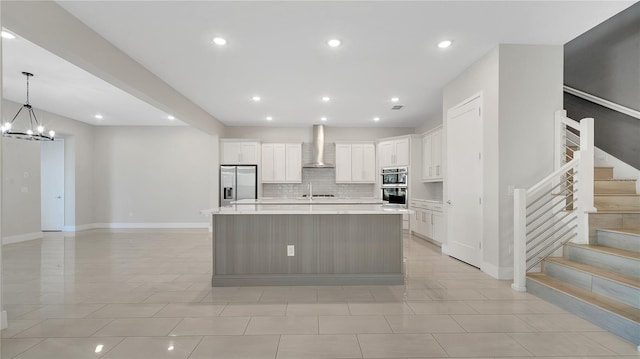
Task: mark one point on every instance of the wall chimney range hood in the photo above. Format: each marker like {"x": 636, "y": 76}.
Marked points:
{"x": 318, "y": 149}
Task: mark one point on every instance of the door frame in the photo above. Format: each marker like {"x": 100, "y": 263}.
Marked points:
{"x": 451, "y": 112}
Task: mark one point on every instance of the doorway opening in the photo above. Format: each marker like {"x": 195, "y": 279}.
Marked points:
{"x": 52, "y": 185}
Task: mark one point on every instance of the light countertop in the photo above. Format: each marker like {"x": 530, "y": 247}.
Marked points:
{"x": 306, "y": 209}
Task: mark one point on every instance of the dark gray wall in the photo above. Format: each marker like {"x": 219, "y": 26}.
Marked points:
{"x": 605, "y": 61}
{"x": 615, "y": 133}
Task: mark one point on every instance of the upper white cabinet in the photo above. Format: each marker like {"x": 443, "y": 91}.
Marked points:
{"x": 394, "y": 152}
{"x": 281, "y": 162}
{"x": 238, "y": 152}
{"x": 355, "y": 162}
{"x": 432, "y": 156}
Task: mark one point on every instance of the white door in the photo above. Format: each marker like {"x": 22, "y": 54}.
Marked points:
{"x": 427, "y": 170}
{"x": 386, "y": 153}
{"x": 293, "y": 163}
{"x": 279, "y": 162}
{"x": 369, "y": 163}
{"x": 267, "y": 163}
{"x": 52, "y": 185}
{"x": 436, "y": 154}
{"x": 464, "y": 182}
{"x": 343, "y": 162}
{"x": 401, "y": 157}
{"x": 248, "y": 153}
{"x": 357, "y": 166}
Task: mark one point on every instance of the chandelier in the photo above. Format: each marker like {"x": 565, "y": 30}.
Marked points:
{"x": 33, "y": 131}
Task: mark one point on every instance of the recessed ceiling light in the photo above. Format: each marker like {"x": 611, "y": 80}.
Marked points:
{"x": 256, "y": 98}
{"x": 334, "y": 42}
{"x": 219, "y": 41}
{"x": 8, "y": 35}
{"x": 395, "y": 99}
{"x": 376, "y": 119}
{"x": 98, "y": 116}
{"x": 269, "y": 118}
{"x": 323, "y": 118}
{"x": 444, "y": 44}
{"x": 326, "y": 98}
{"x": 171, "y": 118}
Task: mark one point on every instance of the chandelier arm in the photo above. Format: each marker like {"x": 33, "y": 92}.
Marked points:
{"x": 14, "y": 117}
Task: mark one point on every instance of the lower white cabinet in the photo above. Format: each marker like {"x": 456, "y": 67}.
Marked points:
{"x": 427, "y": 220}
{"x": 281, "y": 163}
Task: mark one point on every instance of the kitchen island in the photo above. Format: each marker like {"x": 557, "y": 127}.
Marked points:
{"x": 307, "y": 244}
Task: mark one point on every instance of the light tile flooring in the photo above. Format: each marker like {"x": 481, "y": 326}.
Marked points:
{"x": 146, "y": 294}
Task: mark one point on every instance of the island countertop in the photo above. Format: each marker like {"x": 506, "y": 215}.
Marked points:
{"x": 242, "y": 209}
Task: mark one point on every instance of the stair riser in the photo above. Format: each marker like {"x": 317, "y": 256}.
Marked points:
{"x": 622, "y": 265}
{"x": 614, "y": 290}
{"x": 611, "y": 220}
{"x": 607, "y": 187}
{"x": 620, "y": 326}
{"x": 621, "y": 202}
{"x": 603, "y": 173}
{"x": 629, "y": 242}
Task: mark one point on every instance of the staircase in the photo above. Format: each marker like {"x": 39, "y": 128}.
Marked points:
{"x": 600, "y": 281}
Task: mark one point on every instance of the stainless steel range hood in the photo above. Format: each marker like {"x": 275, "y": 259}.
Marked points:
{"x": 318, "y": 149}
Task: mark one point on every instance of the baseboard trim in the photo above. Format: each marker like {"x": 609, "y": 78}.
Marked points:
{"x": 152, "y": 225}
{"x": 4, "y": 323}
{"x": 496, "y": 271}
{"x": 21, "y": 237}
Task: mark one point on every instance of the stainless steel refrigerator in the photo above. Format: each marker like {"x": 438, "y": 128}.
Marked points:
{"x": 238, "y": 182}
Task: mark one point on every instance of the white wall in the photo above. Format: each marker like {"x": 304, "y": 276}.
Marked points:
{"x": 429, "y": 124}
{"x": 20, "y": 172}
{"x": 482, "y": 77}
{"x": 521, "y": 87}
{"x": 531, "y": 80}
{"x": 153, "y": 175}
{"x": 78, "y": 166}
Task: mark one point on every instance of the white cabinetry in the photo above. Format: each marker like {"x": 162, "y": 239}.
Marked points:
{"x": 355, "y": 163}
{"x": 432, "y": 156}
{"x": 394, "y": 152}
{"x": 281, "y": 163}
{"x": 238, "y": 152}
{"x": 427, "y": 220}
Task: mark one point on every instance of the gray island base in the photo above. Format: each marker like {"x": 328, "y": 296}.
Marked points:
{"x": 254, "y": 248}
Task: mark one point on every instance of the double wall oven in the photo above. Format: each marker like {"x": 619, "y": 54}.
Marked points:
{"x": 394, "y": 185}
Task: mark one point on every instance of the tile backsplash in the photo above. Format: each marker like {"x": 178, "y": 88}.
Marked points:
{"x": 323, "y": 180}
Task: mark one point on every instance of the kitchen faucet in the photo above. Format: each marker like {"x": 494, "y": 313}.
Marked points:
{"x": 310, "y": 191}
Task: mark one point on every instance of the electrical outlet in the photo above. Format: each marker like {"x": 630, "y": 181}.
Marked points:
{"x": 291, "y": 250}
{"x": 25, "y": 189}
{"x": 131, "y": 214}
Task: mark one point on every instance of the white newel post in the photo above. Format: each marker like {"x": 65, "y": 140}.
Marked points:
{"x": 585, "y": 180}
{"x": 519, "y": 240}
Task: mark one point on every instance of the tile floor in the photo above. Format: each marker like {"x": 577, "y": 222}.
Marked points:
{"x": 146, "y": 294}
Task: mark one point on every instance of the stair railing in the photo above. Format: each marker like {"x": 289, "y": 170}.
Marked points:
{"x": 555, "y": 210}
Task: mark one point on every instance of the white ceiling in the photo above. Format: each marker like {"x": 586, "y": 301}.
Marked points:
{"x": 64, "y": 89}
{"x": 278, "y": 50}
